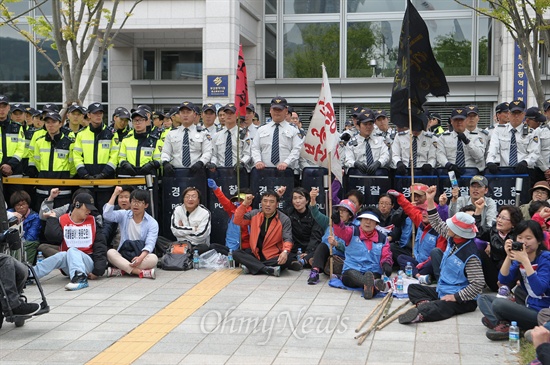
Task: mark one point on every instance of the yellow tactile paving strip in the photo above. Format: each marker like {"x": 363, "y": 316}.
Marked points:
{"x": 136, "y": 343}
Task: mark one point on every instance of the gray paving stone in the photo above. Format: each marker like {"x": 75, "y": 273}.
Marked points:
{"x": 154, "y": 358}
{"x": 201, "y": 359}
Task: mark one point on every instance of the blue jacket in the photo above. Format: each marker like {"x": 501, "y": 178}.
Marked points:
{"x": 424, "y": 243}
{"x": 32, "y": 226}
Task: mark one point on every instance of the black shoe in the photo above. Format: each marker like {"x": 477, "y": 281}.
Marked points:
{"x": 79, "y": 281}
{"x": 411, "y": 316}
{"x": 368, "y": 288}
{"x": 26, "y": 309}
{"x": 295, "y": 266}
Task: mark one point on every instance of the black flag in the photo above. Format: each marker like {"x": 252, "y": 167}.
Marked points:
{"x": 417, "y": 73}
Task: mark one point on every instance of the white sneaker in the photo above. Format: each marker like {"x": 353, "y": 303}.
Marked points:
{"x": 424, "y": 279}
{"x": 148, "y": 273}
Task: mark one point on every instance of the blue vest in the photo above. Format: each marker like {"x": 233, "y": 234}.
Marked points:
{"x": 338, "y": 239}
{"x": 406, "y": 233}
{"x": 452, "y": 278}
{"x": 233, "y": 235}
{"x": 423, "y": 247}
{"x": 359, "y": 258}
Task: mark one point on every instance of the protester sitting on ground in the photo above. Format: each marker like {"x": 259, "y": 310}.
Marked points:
{"x": 478, "y": 189}
{"x": 111, "y": 230}
{"x": 20, "y": 202}
{"x": 461, "y": 278}
{"x": 191, "y": 222}
{"x": 385, "y": 213}
{"x": 425, "y": 241}
{"x": 306, "y": 232}
{"x": 236, "y": 237}
{"x": 494, "y": 254}
{"x": 83, "y": 248}
{"x": 539, "y": 192}
{"x": 270, "y": 236}
{"x": 138, "y": 236}
{"x": 541, "y": 341}
{"x": 13, "y": 276}
{"x": 345, "y": 213}
{"x": 528, "y": 261}
{"x": 356, "y": 196}
{"x": 368, "y": 254}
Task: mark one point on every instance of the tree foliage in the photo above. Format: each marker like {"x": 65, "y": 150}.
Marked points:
{"x": 80, "y": 31}
{"x": 524, "y": 20}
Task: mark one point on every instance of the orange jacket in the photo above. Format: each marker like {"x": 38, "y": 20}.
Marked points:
{"x": 277, "y": 238}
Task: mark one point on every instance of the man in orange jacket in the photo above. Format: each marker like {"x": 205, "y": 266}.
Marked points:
{"x": 270, "y": 236}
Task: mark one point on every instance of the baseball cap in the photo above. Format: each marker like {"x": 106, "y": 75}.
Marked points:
{"x": 95, "y": 107}
{"x": 173, "y": 111}
{"x": 472, "y": 109}
{"x": 52, "y": 115}
{"x": 209, "y": 106}
{"x": 481, "y": 180}
{"x": 50, "y": 108}
{"x": 139, "y": 112}
{"x": 546, "y": 105}
{"x": 19, "y": 107}
{"x": 458, "y": 113}
{"x": 365, "y": 116}
{"x": 535, "y": 113}
{"x": 231, "y": 107}
{"x": 279, "y": 102}
{"x": 146, "y": 107}
{"x": 122, "y": 112}
{"x": 4, "y": 99}
{"x": 502, "y": 107}
{"x": 380, "y": 113}
{"x": 251, "y": 107}
{"x": 75, "y": 106}
{"x": 435, "y": 116}
{"x": 187, "y": 105}
{"x": 87, "y": 200}
{"x": 517, "y": 105}
{"x": 356, "y": 110}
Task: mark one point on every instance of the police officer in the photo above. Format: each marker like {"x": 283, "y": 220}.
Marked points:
{"x": 120, "y": 126}
{"x": 296, "y": 122}
{"x": 225, "y": 141}
{"x": 18, "y": 114}
{"x": 189, "y": 146}
{"x": 434, "y": 124}
{"x": 75, "y": 116}
{"x": 355, "y": 111}
{"x": 473, "y": 132}
{"x": 221, "y": 117}
{"x": 12, "y": 141}
{"x": 246, "y": 122}
{"x": 53, "y": 158}
{"x": 513, "y": 144}
{"x": 502, "y": 116}
{"x": 536, "y": 120}
{"x": 139, "y": 152}
{"x": 422, "y": 147}
{"x": 366, "y": 152}
{"x": 455, "y": 149}
{"x": 382, "y": 127}
{"x": 32, "y": 116}
{"x": 277, "y": 144}
{"x": 209, "y": 119}
{"x": 546, "y": 109}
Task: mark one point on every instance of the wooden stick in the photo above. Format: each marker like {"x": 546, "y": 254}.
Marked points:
{"x": 369, "y": 315}
{"x": 397, "y": 309}
{"x": 388, "y": 306}
{"x": 364, "y": 335}
{"x": 393, "y": 318}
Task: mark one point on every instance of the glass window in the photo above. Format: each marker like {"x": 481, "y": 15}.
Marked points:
{"x": 105, "y": 66}
{"x": 44, "y": 69}
{"x": 16, "y": 92}
{"x": 49, "y": 93}
{"x": 148, "y": 65}
{"x": 270, "y": 51}
{"x": 311, "y": 6}
{"x": 105, "y": 93}
{"x": 485, "y": 45}
{"x": 271, "y": 7}
{"x": 17, "y": 8}
{"x": 429, "y": 5}
{"x": 372, "y": 48}
{"x": 45, "y": 9}
{"x": 377, "y": 6}
{"x": 452, "y": 45}
{"x": 14, "y": 65}
{"x": 307, "y": 45}
{"x": 181, "y": 65}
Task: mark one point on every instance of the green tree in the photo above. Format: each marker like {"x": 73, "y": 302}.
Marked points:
{"x": 80, "y": 32}
{"x": 524, "y": 20}
{"x": 453, "y": 55}
{"x": 361, "y": 41}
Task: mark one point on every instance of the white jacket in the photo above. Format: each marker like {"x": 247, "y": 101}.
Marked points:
{"x": 194, "y": 228}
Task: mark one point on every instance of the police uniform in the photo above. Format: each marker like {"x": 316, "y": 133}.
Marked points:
{"x": 120, "y": 134}
{"x": 425, "y": 151}
{"x": 527, "y": 142}
{"x": 389, "y": 136}
{"x": 139, "y": 149}
{"x": 200, "y": 146}
{"x": 483, "y": 136}
{"x": 96, "y": 152}
{"x": 12, "y": 145}
{"x": 219, "y": 145}
{"x": 543, "y": 135}
{"x": 290, "y": 144}
{"x": 355, "y": 150}
{"x": 474, "y": 152}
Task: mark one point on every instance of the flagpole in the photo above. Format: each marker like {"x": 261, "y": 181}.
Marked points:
{"x": 239, "y": 174}
{"x": 329, "y": 209}
{"x": 411, "y": 165}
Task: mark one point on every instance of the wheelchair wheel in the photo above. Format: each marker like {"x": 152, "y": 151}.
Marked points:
{"x": 19, "y": 323}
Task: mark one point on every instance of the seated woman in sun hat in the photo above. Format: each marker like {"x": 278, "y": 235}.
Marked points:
{"x": 368, "y": 254}
{"x": 539, "y": 192}
{"x": 461, "y": 278}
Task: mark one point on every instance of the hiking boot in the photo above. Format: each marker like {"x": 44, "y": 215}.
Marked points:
{"x": 413, "y": 315}
{"x": 113, "y": 271}
{"x": 79, "y": 281}
{"x": 295, "y": 266}
{"x": 277, "y": 271}
{"x": 148, "y": 274}
{"x": 313, "y": 277}
{"x": 424, "y": 279}
{"x": 487, "y": 323}
{"x": 26, "y": 309}
{"x": 368, "y": 288}
{"x": 499, "y": 332}
{"x": 245, "y": 269}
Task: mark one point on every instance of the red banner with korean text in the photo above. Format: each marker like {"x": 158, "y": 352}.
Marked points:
{"x": 241, "y": 90}
{"x": 321, "y": 142}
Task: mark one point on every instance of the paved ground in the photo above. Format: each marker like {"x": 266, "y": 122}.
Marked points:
{"x": 251, "y": 320}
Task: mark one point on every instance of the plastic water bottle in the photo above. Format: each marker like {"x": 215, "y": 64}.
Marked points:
{"x": 399, "y": 284}
{"x": 452, "y": 177}
{"x": 230, "y": 260}
{"x": 300, "y": 259}
{"x": 39, "y": 257}
{"x": 409, "y": 270}
{"x": 513, "y": 338}
{"x": 196, "y": 261}
{"x": 387, "y": 284}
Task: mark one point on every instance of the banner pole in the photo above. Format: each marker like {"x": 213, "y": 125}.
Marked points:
{"x": 411, "y": 159}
